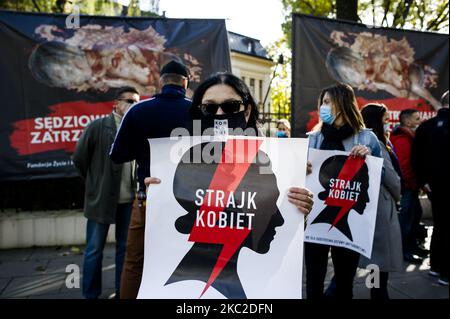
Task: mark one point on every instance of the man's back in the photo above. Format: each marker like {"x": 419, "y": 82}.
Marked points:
{"x": 152, "y": 118}
{"x": 430, "y": 153}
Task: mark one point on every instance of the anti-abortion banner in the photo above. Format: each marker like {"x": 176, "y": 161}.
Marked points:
{"x": 219, "y": 225}
{"x": 402, "y": 69}
{"x": 55, "y": 80}
{"x": 345, "y": 200}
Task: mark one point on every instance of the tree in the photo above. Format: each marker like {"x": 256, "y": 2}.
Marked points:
{"x": 424, "y": 15}
{"x": 319, "y": 8}
{"x": 280, "y": 88}
{"x": 89, "y": 7}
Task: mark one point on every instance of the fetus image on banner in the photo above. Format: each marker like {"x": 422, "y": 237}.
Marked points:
{"x": 346, "y": 181}
{"x": 229, "y": 205}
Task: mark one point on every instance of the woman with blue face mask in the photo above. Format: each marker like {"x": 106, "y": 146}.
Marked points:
{"x": 283, "y": 128}
{"x": 341, "y": 127}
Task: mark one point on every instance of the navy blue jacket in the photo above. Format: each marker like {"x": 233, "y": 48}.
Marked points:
{"x": 152, "y": 118}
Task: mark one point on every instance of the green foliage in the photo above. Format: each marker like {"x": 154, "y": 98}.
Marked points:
{"x": 88, "y": 7}
{"x": 319, "y": 8}
{"x": 425, "y": 15}
{"x": 281, "y": 84}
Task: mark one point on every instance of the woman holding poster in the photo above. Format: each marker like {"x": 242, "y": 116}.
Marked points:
{"x": 341, "y": 127}
{"x": 224, "y": 102}
{"x": 220, "y": 201}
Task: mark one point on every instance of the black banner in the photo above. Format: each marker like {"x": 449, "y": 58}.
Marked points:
{"x": 402, "y": 69}
{"x": 55, "y": 79}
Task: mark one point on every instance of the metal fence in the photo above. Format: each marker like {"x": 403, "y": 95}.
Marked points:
{"x": 269, "y": 119}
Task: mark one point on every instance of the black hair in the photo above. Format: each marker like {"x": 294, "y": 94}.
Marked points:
{"x": 126, "y": 89}
{"x": 238, "y": 86}
{"x": 372, "y": 114}
{"x": 406, "y": 114}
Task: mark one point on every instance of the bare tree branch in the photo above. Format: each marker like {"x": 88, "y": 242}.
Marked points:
{"x": 373, "y": 12}
{"x": 408, "y": 4}
{"x": 438, "y": 23}
{"x": 36, "y": 6}
{"x": 440, "y": 17}
{"x": 309, "y": 5}
{"x": 387, "y": 5}
{"x": 397, "y": 13}
{"x": 421, "y": 14}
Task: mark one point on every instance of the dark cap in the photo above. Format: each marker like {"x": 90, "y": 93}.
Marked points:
{"x": 175, "y": 68}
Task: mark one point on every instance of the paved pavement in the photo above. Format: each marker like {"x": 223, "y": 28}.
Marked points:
{"x": 41, "y": 273}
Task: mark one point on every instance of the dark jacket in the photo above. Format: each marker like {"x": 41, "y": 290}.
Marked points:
{"x": 101, "y": 175}
{"x": 402, "y": 140}
{"x": 152, "y": 118}
{"x": 430, "y": 152}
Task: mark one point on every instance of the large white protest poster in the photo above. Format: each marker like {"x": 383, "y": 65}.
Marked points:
{"x": 346, "y": 193}
{"x": 219, "y": 225}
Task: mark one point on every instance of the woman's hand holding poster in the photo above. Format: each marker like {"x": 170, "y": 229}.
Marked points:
{"x": 346, "y": 193}
{"x": 220, "y": 225}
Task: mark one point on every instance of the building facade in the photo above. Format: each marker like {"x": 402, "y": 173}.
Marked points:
{"x": 250, "y": 62}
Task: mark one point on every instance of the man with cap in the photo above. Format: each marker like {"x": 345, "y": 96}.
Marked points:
{"x": 151, "y": 118}
{"x": 109, "y": 192}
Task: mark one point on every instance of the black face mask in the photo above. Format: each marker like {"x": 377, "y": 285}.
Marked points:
{"x": 224, "y": 124}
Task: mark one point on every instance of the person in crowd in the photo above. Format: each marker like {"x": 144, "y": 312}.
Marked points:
{"x": 430, "y": 160}
{"x": 225, "y": 96}
{"x": 341, "y": 128}
{"x": 410, "y": 209}
{"x": 283, "y": 128}
{"x": 109, "y": 192}
{"x": 386, "y": 248}
{"x": 151, "y": 118}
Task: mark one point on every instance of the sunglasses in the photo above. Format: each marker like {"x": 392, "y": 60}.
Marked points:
{"x": 129, "y": 101}
{"x": 227, "y": 107}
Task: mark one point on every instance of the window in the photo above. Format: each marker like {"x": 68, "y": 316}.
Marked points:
{"x": 261, "y": 96}
{"x": 252, "y": 86}
{"x": 251, "y": 47}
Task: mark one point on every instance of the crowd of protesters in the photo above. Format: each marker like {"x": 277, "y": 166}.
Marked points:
{"x": 415, "y": 160}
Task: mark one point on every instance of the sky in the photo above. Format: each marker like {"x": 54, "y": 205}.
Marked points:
{"x": 260, "y": 19}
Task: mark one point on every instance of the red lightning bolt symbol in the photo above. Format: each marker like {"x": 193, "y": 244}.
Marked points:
{"x": 351, "y": 166}
{"x": 227, "y": 177}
